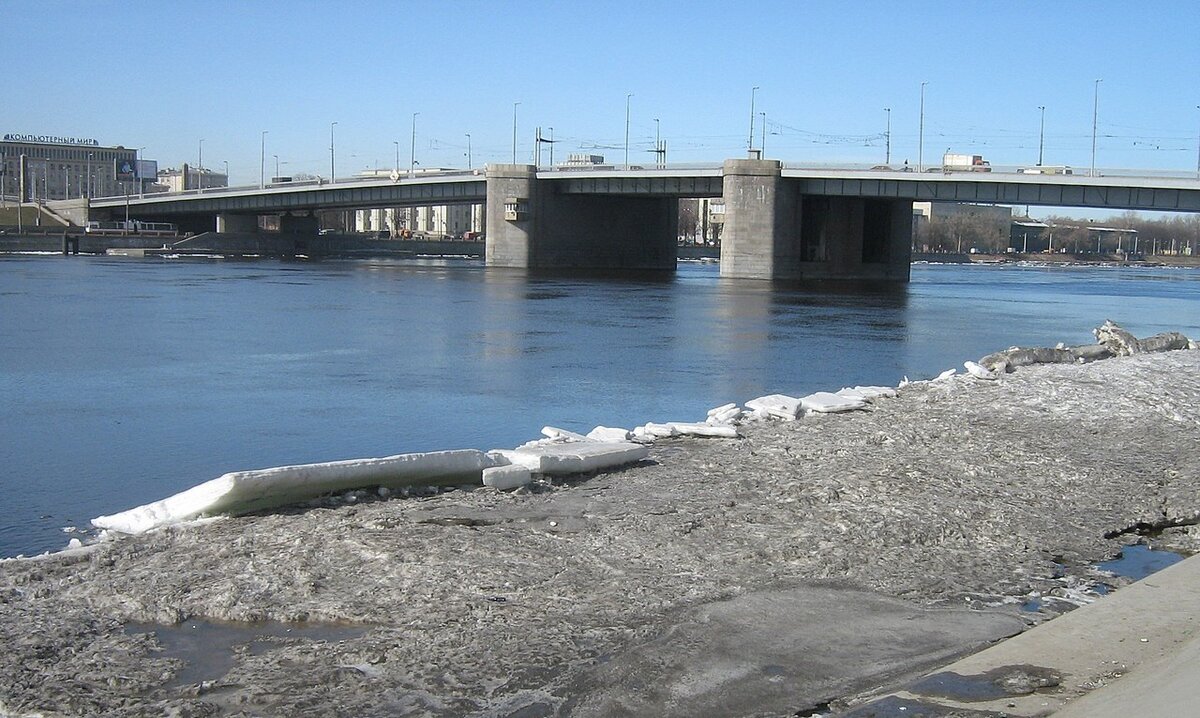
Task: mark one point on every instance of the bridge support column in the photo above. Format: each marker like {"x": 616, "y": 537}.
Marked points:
{"x": 775, "y": 231}
{"x": 512, "y": 196}
{"x": 531, "y": 224}
{"x": 299, "y": 224}
{"x": 241, "y": 223}
{"x": 759, "y": 240}
{"x": 855, "y": 238}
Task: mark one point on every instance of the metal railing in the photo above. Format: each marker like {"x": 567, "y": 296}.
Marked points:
{"x": 401, "y": 177}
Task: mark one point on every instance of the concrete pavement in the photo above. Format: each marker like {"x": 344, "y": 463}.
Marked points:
{"x": 1135, "y": 652}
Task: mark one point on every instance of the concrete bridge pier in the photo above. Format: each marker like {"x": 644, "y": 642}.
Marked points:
{"x": 306, "y": 223}
{"x": 534, "y": 223}
{"x": 773, "y": 230}
{"x": 239, "y": 223}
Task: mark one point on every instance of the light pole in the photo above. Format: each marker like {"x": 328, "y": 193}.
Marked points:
{"x": 396, "y": 167}
{"x": 551, "y": 148}
{"x": 262, "y": 160}
{"x": 1095, "y": 115}
{"x": 469, "y": 165}
{"x": 627, "y": 97}
{"x": 137, "y": 171}
{"x": 89, "y": 179}
{"x": 1042, "y": 134}
{"x": 887, "y": 137}
{"x": 412, "y": 147}
{"x": 921, "y": 132}
{"x": 750, "y": 142}
{"x": 226, "y": 163}
{"x": 200, "y": 166}
{"x": 657, "y": 142}
{"x": 1198, "y": 151}
{"x": 276, "y": 167}
{"x": 762, "y": 144}
{"x": 514, "y": 160}
{"x": 332, "y": 170}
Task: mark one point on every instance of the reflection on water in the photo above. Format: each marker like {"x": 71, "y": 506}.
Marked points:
{"x": 126, "y": 381}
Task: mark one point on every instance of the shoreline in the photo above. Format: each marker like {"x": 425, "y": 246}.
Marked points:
{"x": 960, "y": 493}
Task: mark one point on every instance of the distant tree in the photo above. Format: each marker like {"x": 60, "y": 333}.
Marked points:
{"x": 688, "y": 218}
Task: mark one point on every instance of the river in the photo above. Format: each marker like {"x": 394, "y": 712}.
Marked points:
{"x": 124, "y": 381}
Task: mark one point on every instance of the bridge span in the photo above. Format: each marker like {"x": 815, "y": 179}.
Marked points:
{"x": 782, "y": 222}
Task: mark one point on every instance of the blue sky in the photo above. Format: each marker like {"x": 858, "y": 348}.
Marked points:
{"x": 164, "y": 75}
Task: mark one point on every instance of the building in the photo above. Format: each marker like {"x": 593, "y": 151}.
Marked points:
{"x": 436, "y": 222}
{"x": 42, "y": 167}
{"x": 186, "y": 178}
{"x": 945, "y": 210}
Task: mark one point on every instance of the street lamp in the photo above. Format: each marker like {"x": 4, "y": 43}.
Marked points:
{"x": 200, "y": 166}
{"x": 750, "y": 142}
{"x": 1095, "y": 115}
{"x": 887, "y": 137}
{"x": 276, "y": 167}
{"x": 262, "y": 160}
{"x": 921, "y": 132}
{"x": 514, "y": 160}
{"x": 657, "y": 142}
{"x": 137, "y": 171}
{"x": 627, "y": 96}
{"x": 396, "y": 167}
{"x": 412, "y": 149}
{"x": 332, "y": 170}
{"x": 762, "y": 145}
{"x": 469, "y": 150}
{"x": 89, "y": 179}
{"x": 1042, "y": 135}
{"x": 226, "y": 163}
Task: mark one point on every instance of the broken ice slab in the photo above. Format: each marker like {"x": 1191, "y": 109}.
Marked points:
{"x": 777, "y": 405}
{"x": 824, "y": 402}
{"x": 575, "y": 457}
{"x": 658, "y": 431}
{"x": 506, "y": 477}
{"x": 242, "y": 492}
{"x": 557, "y": 434}
{"x": 722, "y": 409}
{"x": 608, "y": 434}
{"x": 976, "y": 370}
{"x": 687, "y": 428}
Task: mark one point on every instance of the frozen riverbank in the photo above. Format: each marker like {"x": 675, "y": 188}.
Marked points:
{"x": 762, "y": 575}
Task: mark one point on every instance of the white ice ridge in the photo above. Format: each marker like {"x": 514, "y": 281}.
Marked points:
{"x": 778, "y": 405}
{"x": 241, "y": 492}
{"x": 824, "y": 402}
{"x": 573, "y": 457}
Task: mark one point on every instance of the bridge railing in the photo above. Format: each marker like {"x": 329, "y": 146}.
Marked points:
{"x": 401, "y": 177}
{"x": 1029, "y": 170}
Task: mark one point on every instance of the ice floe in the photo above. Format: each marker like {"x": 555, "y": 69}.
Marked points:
{"x": 242, "y": 492}
{"x": 574, "y": 457}
{"x": 507, "y": 477}
{"x": 777, "y": 405}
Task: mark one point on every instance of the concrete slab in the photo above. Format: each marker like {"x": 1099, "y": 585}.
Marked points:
{"x": 1133, "y": 652}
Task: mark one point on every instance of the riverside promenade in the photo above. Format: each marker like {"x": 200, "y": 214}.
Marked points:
{"x": 804, "y": 567}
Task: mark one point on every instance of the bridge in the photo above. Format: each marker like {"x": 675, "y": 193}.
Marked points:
{"x": 781, "y": 222}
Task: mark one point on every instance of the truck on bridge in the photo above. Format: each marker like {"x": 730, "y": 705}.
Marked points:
{"x": 965, "y": 163}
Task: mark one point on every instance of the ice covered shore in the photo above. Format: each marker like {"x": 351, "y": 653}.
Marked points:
{"x": 701, "y": 582}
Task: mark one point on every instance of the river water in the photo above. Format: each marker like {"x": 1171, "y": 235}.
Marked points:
{"x": 123, "y": 381}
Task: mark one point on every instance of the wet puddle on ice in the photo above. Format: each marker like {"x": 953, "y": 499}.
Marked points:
{"x": 1135, "y": 562}
{"x": 207, "y": 648}
{"x": 1139, "y": 561}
